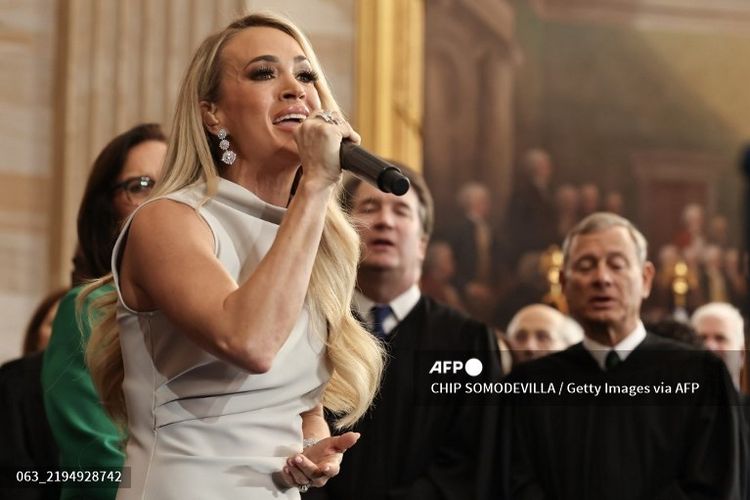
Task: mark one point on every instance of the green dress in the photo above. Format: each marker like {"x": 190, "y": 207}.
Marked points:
{"x": 85, "y": 435}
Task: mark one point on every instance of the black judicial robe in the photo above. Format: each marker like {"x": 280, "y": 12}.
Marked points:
{"x": 622, "y": 447}
{"x": 419, "y": 450}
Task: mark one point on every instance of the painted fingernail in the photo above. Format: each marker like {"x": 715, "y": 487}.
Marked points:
{"x": 298, "y": 459}
{"x": 286, "y": 470}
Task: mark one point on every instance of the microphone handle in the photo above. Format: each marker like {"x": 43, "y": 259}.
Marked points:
{"x": 372, "y": 169}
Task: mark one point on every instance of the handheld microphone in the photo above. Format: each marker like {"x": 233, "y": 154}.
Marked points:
{"x": 372, "y": 169}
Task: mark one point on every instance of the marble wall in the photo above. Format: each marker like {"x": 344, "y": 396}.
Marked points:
{"x": 27, "y": 31}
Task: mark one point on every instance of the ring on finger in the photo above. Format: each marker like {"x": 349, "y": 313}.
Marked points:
{"x": 303, "y": 488}
{"x": 328, "y": 117}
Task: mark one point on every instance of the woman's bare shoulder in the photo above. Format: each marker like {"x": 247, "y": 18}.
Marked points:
{"x": 170, "y": 221}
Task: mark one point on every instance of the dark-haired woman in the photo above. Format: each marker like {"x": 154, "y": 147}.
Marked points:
{"x": 122, "y": 177}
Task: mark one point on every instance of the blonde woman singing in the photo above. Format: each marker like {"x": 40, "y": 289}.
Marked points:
{"x": 231, "y": 326}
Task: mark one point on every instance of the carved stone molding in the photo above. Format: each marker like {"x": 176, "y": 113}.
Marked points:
{"x": 497, "y": 16}
{"x": 691, "y": 15}
{"x": 470, "y": 60}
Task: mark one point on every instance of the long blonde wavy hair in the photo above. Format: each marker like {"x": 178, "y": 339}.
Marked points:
{"x": 354, "y": 356}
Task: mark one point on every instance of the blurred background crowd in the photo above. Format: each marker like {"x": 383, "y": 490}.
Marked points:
{"x": 492, "y": 268}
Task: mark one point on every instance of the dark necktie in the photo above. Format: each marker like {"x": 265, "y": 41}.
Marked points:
{"x": 612, "y": 360}
{"x": 379, "y": 313}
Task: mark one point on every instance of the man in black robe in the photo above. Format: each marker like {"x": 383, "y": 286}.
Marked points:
{"x": 624, "y": 415}
{"x": 413, "y": 446}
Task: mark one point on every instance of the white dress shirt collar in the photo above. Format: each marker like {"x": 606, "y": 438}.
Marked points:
{"x": 401, "y": 306}
{"x": 624, "y": 347}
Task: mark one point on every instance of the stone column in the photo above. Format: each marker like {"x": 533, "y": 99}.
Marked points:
{"x": 390, "y": 59}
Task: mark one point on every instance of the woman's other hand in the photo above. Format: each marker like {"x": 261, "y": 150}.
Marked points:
{"x": 317, "y": 463}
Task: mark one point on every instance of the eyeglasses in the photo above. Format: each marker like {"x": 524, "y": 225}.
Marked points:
{"x": 136, "y": 189}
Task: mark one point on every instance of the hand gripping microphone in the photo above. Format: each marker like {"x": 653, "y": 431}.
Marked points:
{"x": 372, "y": 169}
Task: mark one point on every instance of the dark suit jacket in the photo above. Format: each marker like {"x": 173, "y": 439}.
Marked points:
{"x": 650, "y": 446}
{"x": 419, "y": 450}
{"x": 26, "y": 441}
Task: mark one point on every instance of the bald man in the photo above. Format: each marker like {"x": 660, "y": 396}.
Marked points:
{"x": 538, "y": 329}
{"x": 721, "y": 329}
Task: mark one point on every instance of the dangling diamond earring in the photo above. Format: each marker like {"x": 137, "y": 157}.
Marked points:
{"x": 228, "y": 156}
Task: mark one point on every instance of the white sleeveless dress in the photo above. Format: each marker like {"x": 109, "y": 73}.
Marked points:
{"x": 201, "y": 428}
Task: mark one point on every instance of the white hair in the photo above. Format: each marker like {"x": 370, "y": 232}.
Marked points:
{"x": 566, "y": 328}
{"x": 570, "y": 331}
{"x": 723, "y": 311}
{"x": 601, "y": 221}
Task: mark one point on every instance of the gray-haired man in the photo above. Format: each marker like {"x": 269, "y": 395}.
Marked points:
{"x": 610, "y": 429}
